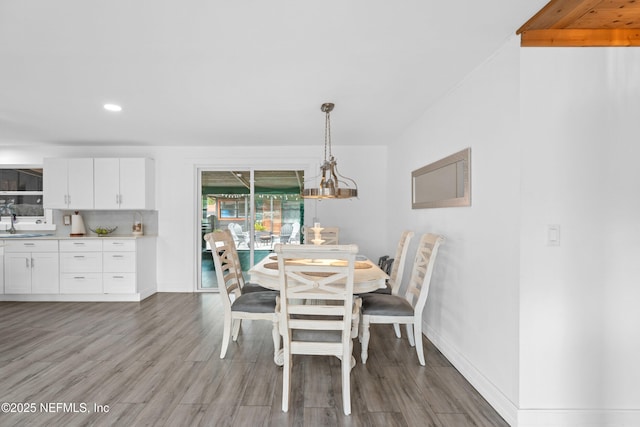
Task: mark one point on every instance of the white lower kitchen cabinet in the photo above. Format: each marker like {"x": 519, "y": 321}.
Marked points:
{"x": 31, "y": 267}
{"x": 81, "y": 283}
{"x": 81, "y": 266}
{"x": 79, "y": 269}
{"x": 18, "y": 273}
{"x": 129, "y": 267}
{"x": 119, "y": 259}
{"x": 119, "y": 283}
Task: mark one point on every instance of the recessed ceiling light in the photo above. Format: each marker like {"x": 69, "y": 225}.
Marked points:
{"x": 112, "y": 107}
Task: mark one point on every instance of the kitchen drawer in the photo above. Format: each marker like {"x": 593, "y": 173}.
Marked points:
{"x": 85, "y": 283}
{"x": 80, "y": 245}
{"x": 119, "y": 262}
{"x": 30, "y": 245}
{"x": 78, "y": 262}
{"x": 114, "y": 245}
{"x": 119, "y": 283}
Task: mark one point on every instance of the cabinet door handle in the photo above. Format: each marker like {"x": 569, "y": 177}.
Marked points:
{"x": 28, "y": 244}
{"x": 27, "y": 260}
{"x": 118, "y": 256}
{"x": 32, "y": 263}
{"x": 78, "y": 256}
{"x": 118, "y": 277}
{"x": 79, "y": 277}
{"x": 78, "y": 243}
{"x": 69, "y": 199}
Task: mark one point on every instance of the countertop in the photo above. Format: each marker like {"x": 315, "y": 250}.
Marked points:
{"x": 55, "y": 237}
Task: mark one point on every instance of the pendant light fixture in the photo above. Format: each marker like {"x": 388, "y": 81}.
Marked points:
{"x": 329, "y": 187}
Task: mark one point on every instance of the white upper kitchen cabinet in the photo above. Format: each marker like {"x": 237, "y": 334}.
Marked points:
{"x": 126, "y": 183}
{"x": 68, "y": 183}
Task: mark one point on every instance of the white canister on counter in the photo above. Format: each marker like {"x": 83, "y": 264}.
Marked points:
{"x": 77, "y": 225}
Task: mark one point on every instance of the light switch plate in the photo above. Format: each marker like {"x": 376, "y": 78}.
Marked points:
{"x": 67, "y": 219}
{"x": 553, "y": 235}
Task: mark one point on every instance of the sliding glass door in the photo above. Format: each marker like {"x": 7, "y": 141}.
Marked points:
{"x": 260, "y": 208}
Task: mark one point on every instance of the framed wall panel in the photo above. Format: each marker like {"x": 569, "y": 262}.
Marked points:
{"x": 444, "y": 183}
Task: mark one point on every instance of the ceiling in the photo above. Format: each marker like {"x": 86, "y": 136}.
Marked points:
{"x": 584, "y": 23}
{"x": 196, "y": 72}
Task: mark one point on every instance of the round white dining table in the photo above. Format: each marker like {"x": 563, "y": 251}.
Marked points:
{"x": 367, "y": 276}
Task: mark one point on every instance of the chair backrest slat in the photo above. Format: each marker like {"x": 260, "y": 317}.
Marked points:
{"x": 424, "y": 261}
{"x": 227, "y": 265}
{"x": 397, "y": 268}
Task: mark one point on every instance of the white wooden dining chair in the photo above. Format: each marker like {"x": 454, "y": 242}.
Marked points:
{"x": 225, "y": 237}
{"x": 379, "y": 308}
{"x": 397, "y": 265}
{"x": 295, "y": 234}
{"x": 399, "y": 260}
{"x": 237, "y": 305}
{"x": 397, "y": 271}
{"x": 317, "y": 308}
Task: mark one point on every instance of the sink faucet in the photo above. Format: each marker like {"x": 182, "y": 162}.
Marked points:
{"x": 12, "y": 214}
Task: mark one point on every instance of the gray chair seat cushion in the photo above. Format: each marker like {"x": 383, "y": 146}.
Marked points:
{"x": 256, "y": 302}
{"x": 386, "y": 305}
{"x": 254, "y": 287}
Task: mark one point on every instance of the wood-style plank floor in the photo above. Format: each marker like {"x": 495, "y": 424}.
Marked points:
{"x": 157, "y": 363}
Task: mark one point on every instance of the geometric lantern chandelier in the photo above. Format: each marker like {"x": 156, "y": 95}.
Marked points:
{"x": 330, "y": 184}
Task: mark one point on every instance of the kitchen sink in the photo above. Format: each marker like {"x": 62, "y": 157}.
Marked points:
{"x": 22, "y": 235}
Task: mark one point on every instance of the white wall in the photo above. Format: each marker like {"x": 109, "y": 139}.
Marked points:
{"x": 547, "y": 334}
{"x": 361, "y": 220}
{"x": 472, "y": 312}
{"x": 579, "y": 316}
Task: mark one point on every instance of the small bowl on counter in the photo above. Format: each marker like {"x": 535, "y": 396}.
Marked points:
{"x": 102, "y": 230}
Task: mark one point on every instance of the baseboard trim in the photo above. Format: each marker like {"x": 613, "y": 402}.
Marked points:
{"x": 529, "y": 417}
{"x": 71, "y": 297}
{"x": 490, "y": 392}
{"x": 578, "y": 418}
{"x": 146, "y": 293}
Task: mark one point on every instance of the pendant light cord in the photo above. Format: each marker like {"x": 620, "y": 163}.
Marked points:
{"x": 327, "y": 135}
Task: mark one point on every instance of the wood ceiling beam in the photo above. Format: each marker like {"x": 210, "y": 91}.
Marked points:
{"x": 580, "y": 38}
{"x": 594, "y": 23}
{"x": 559, "y": 14}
